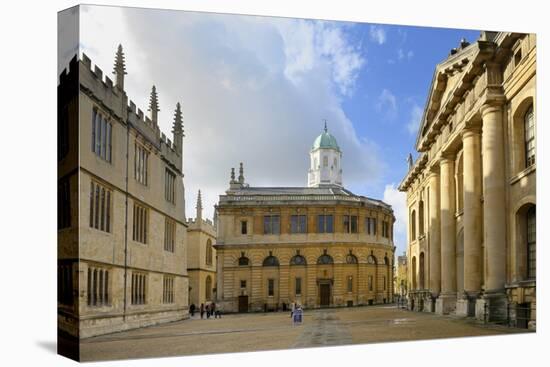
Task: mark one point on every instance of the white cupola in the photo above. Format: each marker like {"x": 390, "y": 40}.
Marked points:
{"x": 325, "y": 161}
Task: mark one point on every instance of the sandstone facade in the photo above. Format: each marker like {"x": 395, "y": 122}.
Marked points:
{"x": 471, "y": 193}
{"x": 201, "y": 260}
{"x": 122, "y": 245}
{"x": 320, "y": 246}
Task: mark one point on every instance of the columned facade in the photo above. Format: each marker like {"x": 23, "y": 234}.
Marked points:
{"x": 478, "y": 129}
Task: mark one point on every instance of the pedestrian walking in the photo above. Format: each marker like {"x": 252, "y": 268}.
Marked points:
{"x": 292, "y": 307}
{"x": 207, "y": 311}
{"x": 192, "y": 309}
{"x": 213, "y": 309}
{"x": 202, "y": 310}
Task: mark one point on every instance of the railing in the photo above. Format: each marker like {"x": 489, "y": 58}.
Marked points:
{"x": 513, "y": 315}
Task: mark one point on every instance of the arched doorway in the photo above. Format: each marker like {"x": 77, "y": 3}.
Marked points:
{"x": 324, "y": 278}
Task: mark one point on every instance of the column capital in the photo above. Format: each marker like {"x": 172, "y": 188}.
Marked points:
{"x": 433, "y": 171}
{"x": 446, "y": 158}
{"x": 433, "y": 168}
{"x": 470, "y": 131}
{"x": 492, "y": 105}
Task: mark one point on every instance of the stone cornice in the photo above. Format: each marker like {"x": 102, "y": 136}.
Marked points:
{"x": 278, "y": 244}
{"x": 304, "y": 200}
{"x": 475, "y": 69}
{"x": 413, "y": 172}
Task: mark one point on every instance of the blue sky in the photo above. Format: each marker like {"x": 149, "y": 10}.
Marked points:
{"x": 392, "y": 88}
{"x": 256, "y": 89}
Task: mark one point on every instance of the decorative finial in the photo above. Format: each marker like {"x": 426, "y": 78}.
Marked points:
{"x": 154, "y": 105}
{"x": 177, "y": 128}
{"x": 325, "y": 120}
{"x": 241, "y": 173}
{"x": 120, "y": 68}
{"x": 199, "y": 206}
{"x": 215, "y": 217}
{"x": 232, "y": 175}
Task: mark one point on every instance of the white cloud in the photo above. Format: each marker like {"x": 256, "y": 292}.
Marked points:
{"x": 397, "y": 200}
{"x": 377, "y": 34}
{"x": 309, "y": 45}
{"x": 387, "y": 104}
{"x": 402, "y": 55}
{"x": 252, "y": 89}
{"x": 415, "y": 118}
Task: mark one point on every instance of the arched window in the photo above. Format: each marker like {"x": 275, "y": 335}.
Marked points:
{"x": 413, "y": 272}
{"x": 421, "y": 271}
{"x": 532, "y": 243}
{"x": 298, "y": 260}
{"x": 421, "y": 217}
{"x": 371, "y": 259}
{"x": 243, "y": 260}
{"x": 208, "y": 288}
{"x": 413, "y": 225}
{"x": 209, "y": 252}
{"x": 271, "y": 261}
{"x": 529, "y": 136}
{"x": 351, "y": 259}
{"x": 325, "y": 259}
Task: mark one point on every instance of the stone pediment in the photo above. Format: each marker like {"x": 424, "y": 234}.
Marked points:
{"x": 446, "y": 78}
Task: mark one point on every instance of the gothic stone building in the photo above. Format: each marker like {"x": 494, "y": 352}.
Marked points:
{"x": 122, "y": 233}
{"x": 471, "y": 192}
{"x": 201, "y": 258}
{"x": 401, "y": 276}
{"x": 318, "y": 246}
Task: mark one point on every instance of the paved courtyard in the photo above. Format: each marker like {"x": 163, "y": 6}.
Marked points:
{"x": 268, "y": 331}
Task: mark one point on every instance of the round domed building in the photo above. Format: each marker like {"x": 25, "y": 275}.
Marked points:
{"x": 319, "y": 246}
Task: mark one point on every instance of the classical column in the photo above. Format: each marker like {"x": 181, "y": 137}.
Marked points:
{"x": 447, "y": 299}
{"x": 434, "y": 234}
{"x": 471, "y": 141}
{"x": 494, "y": 197}
{"x": 494, "y": 214}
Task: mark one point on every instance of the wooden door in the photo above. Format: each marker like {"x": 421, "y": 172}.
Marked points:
{"x": 324, "y": 291}
{"x": 243, "y": 303}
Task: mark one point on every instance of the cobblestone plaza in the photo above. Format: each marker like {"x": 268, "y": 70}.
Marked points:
{"x": 271, "y": 331}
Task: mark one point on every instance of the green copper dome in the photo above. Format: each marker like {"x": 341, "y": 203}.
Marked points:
{"x": 325, "y": 140}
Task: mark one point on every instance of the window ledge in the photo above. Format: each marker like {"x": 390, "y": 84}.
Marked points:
{"x": 522, "y": 283}
{"x": 526, "y": 172}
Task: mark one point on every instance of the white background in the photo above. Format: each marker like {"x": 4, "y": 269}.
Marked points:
{"x": 28, "y": 181}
